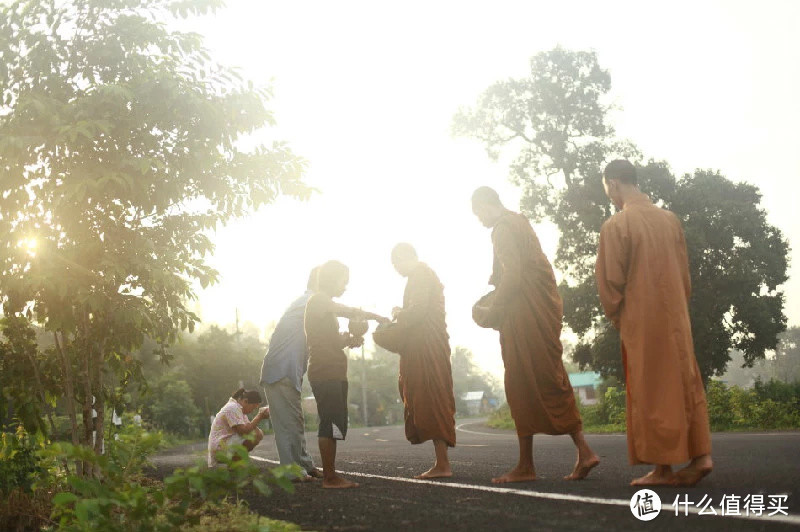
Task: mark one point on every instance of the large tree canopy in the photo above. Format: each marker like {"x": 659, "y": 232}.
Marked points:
{"x": 555, "y": 124}
{"x": 119, "y": 154}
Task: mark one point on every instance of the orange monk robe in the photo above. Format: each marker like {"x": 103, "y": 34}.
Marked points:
{"x": 643, "y": 279}
{"x": 426, "y": 381}
{"x": 529, "y": 308}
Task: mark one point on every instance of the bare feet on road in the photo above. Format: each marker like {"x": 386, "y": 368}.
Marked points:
{"x": 517, "y": 474}
{"x": 338, "y": 482}
{"x": 582, "y": 469}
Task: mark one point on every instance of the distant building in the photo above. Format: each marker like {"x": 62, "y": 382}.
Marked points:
{"x": 477, "y": 402}
{"x": 585, "y": 385}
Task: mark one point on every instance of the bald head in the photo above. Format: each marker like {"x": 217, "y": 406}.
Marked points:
{"x": 486, "y": 205}
{"x": 404, "y": 258}
{"x": 486, "y": 196}
{"x": 404, "y": 251}
{"x": 621, "y": 170}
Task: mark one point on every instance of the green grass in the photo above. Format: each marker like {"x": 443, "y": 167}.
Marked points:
{"x": 235, "y": 517}
{"x": 501, "y": 419}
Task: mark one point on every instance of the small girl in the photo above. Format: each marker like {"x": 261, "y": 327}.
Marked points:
{"x": 231, "y": 423}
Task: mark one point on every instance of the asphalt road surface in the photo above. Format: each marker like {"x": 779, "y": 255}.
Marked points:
{"x": 747, "y": 465}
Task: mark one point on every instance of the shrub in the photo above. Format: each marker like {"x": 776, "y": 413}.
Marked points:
{"x": 592, "y": 415}
{"x": 25, "y": 481}
{"x": 614, "y": 404}
{"x": 771, "y": 405}
{"x": 116, "y": 499}
{"x": 173, "y": 408}
{"x": 501, "y": 418}
{"x": 720, "y": 413}
{"x": 19, "y": 466}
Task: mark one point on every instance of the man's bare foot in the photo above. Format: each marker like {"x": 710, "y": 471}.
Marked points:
{"x": 582, "y": 469}
{"x": 694, "y": 472}
{"x": 516, "y": 475}
{"x": 436, "y": 472}
{"x": 338, "y": 482}
{"x": 655, "y": 478}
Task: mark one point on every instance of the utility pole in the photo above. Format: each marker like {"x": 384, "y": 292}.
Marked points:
{"x": 364, "y": 386}
{"x": 237, "y": 323}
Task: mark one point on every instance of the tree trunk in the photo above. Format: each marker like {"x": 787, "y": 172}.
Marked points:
{"x": 84, "y": 355}
{"x": 69, "y": 389}
{"x": 100, "y": 402}
{"x": 40, "y": 391}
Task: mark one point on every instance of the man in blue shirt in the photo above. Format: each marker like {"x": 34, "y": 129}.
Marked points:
{"x": 282, "y": 373}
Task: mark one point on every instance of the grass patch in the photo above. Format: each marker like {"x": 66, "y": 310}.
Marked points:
{"x": 234, "y": 517}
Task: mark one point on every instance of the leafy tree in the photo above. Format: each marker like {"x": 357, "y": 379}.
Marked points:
{"x": 171, "y": 406}
{"x": 556, "y": 122}
{"x": 118, "y": 156}
{"x": 215, "y": 362}
{"x": 784, "y": 366}
{"x": 27, "y": 383}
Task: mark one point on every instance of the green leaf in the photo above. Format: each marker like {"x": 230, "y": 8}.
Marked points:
{"x": 64, "y": 498}
{"x": 262, "y": 487}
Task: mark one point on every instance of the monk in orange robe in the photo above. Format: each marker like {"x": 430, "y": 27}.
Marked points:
{"x": 643, "y": 279}
{"x": 426, "y": 381}
{"x": 527, "y": 311}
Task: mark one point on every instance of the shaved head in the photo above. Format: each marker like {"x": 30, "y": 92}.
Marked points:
{"x": 486, "y": 196}
{"x": 622, "y": 170}
{"x": 404, "y": 258}
{"x": 404, "y": 251}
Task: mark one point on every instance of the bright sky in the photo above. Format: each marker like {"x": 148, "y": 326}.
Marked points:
{"x": 366, "y": 91}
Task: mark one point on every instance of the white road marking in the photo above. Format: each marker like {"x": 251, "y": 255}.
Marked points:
{"x": 458, "y": 427}
{"x": 790, "y": 519}
{"x": 621, "y": 434}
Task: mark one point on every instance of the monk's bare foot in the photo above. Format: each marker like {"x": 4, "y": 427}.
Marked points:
{"x": 338, "y": 482}
{"x": 304, "y": 478}
{"x": 655, "y": 478}
{"x": 517, "y": 474}
{"x": 314, "y": 473}
{"x": 582, "y": 469}
{"x": 694, "y": 472}
{"x": 436, "y": 472}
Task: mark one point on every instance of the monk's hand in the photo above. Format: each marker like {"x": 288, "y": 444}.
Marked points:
{"x": 373, "y": 316}
{"x": 395, "y": 312}
{"x": 355, "y": 341}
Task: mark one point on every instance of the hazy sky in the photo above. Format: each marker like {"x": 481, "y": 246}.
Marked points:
{"x": 366, "y": 91}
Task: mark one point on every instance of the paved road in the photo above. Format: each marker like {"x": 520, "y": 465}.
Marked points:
{"x": 389, "y": 499}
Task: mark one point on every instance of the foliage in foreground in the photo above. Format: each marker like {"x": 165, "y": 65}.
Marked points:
{"x": 119, "y": 497}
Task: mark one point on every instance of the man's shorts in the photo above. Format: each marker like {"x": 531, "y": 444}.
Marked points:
{"x": 331, "y": 399}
